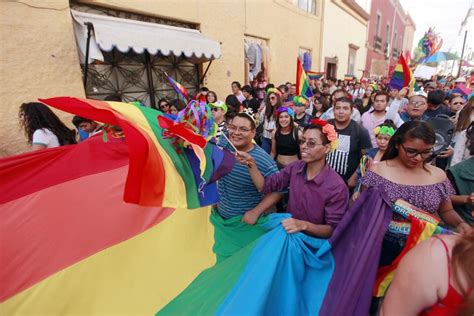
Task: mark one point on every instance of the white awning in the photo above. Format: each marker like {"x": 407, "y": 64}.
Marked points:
{"x": 125, "y": 35}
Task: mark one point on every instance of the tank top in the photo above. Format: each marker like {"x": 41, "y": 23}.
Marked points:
{"x": 451, "y": 304}
{"x": 287, "y": 145}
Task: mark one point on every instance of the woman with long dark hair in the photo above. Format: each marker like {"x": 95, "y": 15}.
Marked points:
{"x": 43, "y": 128}
{"x": 272, "y": 103}
{"x": 404, "y": 173}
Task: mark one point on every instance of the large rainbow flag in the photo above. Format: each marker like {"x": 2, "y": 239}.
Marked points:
{"x": 71, "y": 244}
{"x": 290, "y": 274}
{"x": 125, "y": 228}
{"x": 302, "y": 83}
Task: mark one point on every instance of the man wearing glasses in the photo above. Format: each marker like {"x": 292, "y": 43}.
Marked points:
{"x": 238, "y": 194}
{"x": 416, "y": 109}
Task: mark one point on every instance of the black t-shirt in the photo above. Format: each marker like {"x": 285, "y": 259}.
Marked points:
{"x": 252, "y": 103}
{"x": 352, "y": 140}
{"x": 442, "y": 109}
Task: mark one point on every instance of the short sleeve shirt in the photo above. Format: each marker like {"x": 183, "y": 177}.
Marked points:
{"x": 46, "y": 138}
{"x": 237, "y": 192}
{"x": 352, "y": 140}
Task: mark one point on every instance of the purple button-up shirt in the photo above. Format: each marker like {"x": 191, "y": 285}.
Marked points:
{"x": 323, "y": 200}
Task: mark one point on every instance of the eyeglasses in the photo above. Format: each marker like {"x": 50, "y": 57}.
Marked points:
{"x": 309, "y": 143}
{"x": 417, "y": 103}
{"x": 233, "y": 128}
{"x": 412, "y": 153}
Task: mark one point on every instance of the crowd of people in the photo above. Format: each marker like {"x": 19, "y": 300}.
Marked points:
{"x": 313, "y": 157}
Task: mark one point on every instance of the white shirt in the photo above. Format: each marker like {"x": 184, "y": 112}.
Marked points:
{"x": 46, "y": 138}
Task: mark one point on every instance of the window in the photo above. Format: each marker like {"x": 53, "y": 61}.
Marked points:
{"x": 138, "y": 77}
{"x": 378, "y": 22}
{"x": 352, "y": 59}
{"x": 387, "y": 35}
{"x": 307, "y": 5}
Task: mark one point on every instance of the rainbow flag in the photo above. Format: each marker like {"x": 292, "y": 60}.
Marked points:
{"x": 348, "y": 77}
{"x": 312, "y": 75}
{"x": 265, "y": 271}
{"x": 180, "y": 89}
{"x": 302, "y": 82}
{"x": 67, "y": 233}
{"x": 402, "y": 76}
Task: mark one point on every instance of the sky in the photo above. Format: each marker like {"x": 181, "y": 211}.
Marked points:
{"x": 445, "y": 15}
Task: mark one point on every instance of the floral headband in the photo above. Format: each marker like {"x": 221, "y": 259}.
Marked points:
{"x": 274, "y": 90}
{"x": 384, "y": 130}
{"x": 282, "y": 109}
{"x": 329, "y": 131}
{"x": 299, "y": 100}
{"x": 249, "y": 113}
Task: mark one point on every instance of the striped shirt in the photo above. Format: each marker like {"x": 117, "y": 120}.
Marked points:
{"x": 237, "y": 192}
{"x": 220, "y": 129}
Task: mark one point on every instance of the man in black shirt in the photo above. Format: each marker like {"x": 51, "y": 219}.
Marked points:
{"x": 435, "y": 104}
{"x": 250, "y": 101}
{"x": 353, "y": 140}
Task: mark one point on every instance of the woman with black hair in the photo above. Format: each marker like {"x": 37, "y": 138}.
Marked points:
{"x": 272, "y": 103}
{"x": 405, "y": 174}
{"x": 43, "y": 128}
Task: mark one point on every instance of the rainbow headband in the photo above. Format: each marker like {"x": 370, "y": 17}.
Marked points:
{"x": 384, "y": 130}
{"x": 274, "y": 90}
{"x": 329, "y": 131}
{"x": 282, "y": 109}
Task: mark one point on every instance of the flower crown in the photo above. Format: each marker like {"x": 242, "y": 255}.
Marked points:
{"x": 282, "y": 109}
{"x": 384, "y": 130}
{"x": 251, "y": 114}
{"x": 300, "y": 100}
{"x": 329, "y": 131}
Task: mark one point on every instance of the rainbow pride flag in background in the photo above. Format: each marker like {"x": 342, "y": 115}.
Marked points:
{"x": 312, "y": 75}
{"x": 179, "y": 88}
{"x": 302, "y": 82}
{"x": 402, "y": 76}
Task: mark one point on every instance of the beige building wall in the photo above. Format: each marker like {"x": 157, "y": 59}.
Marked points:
{"x": 342, "y": 26}
{"x": 42, "y": 59}
{"x": 408, "y": 35}
{"x": 284, "y": 26}
{"x": 38, "y": 59}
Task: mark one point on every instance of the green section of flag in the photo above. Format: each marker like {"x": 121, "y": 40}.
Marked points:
{"x": 234, "y": 243}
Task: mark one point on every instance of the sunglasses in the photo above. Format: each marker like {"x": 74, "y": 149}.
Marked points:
{"x": 309, "y": 143}
{"x": 412, "y": 153}
{"x": 458, "y": 103}
{"x": 272, "y": 98}
{"x": 214, "y": 109}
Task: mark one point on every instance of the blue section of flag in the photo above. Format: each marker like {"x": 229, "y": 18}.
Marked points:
{"x": 286, "y": 274}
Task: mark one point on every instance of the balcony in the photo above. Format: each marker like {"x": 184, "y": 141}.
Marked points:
{"x": 377, "y": 43}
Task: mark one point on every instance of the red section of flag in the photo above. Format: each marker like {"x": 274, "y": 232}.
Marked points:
{"x": 299, "y": 73}
{"x": 17, "y": 183}
{"x": 67, "y": 220}
{"x": 145, "y": 181}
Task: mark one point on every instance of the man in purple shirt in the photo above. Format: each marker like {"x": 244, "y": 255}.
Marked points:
{"x": 318, "y": 196}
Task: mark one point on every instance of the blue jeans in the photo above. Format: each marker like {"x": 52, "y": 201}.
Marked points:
{"x": 267, "y": 144}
